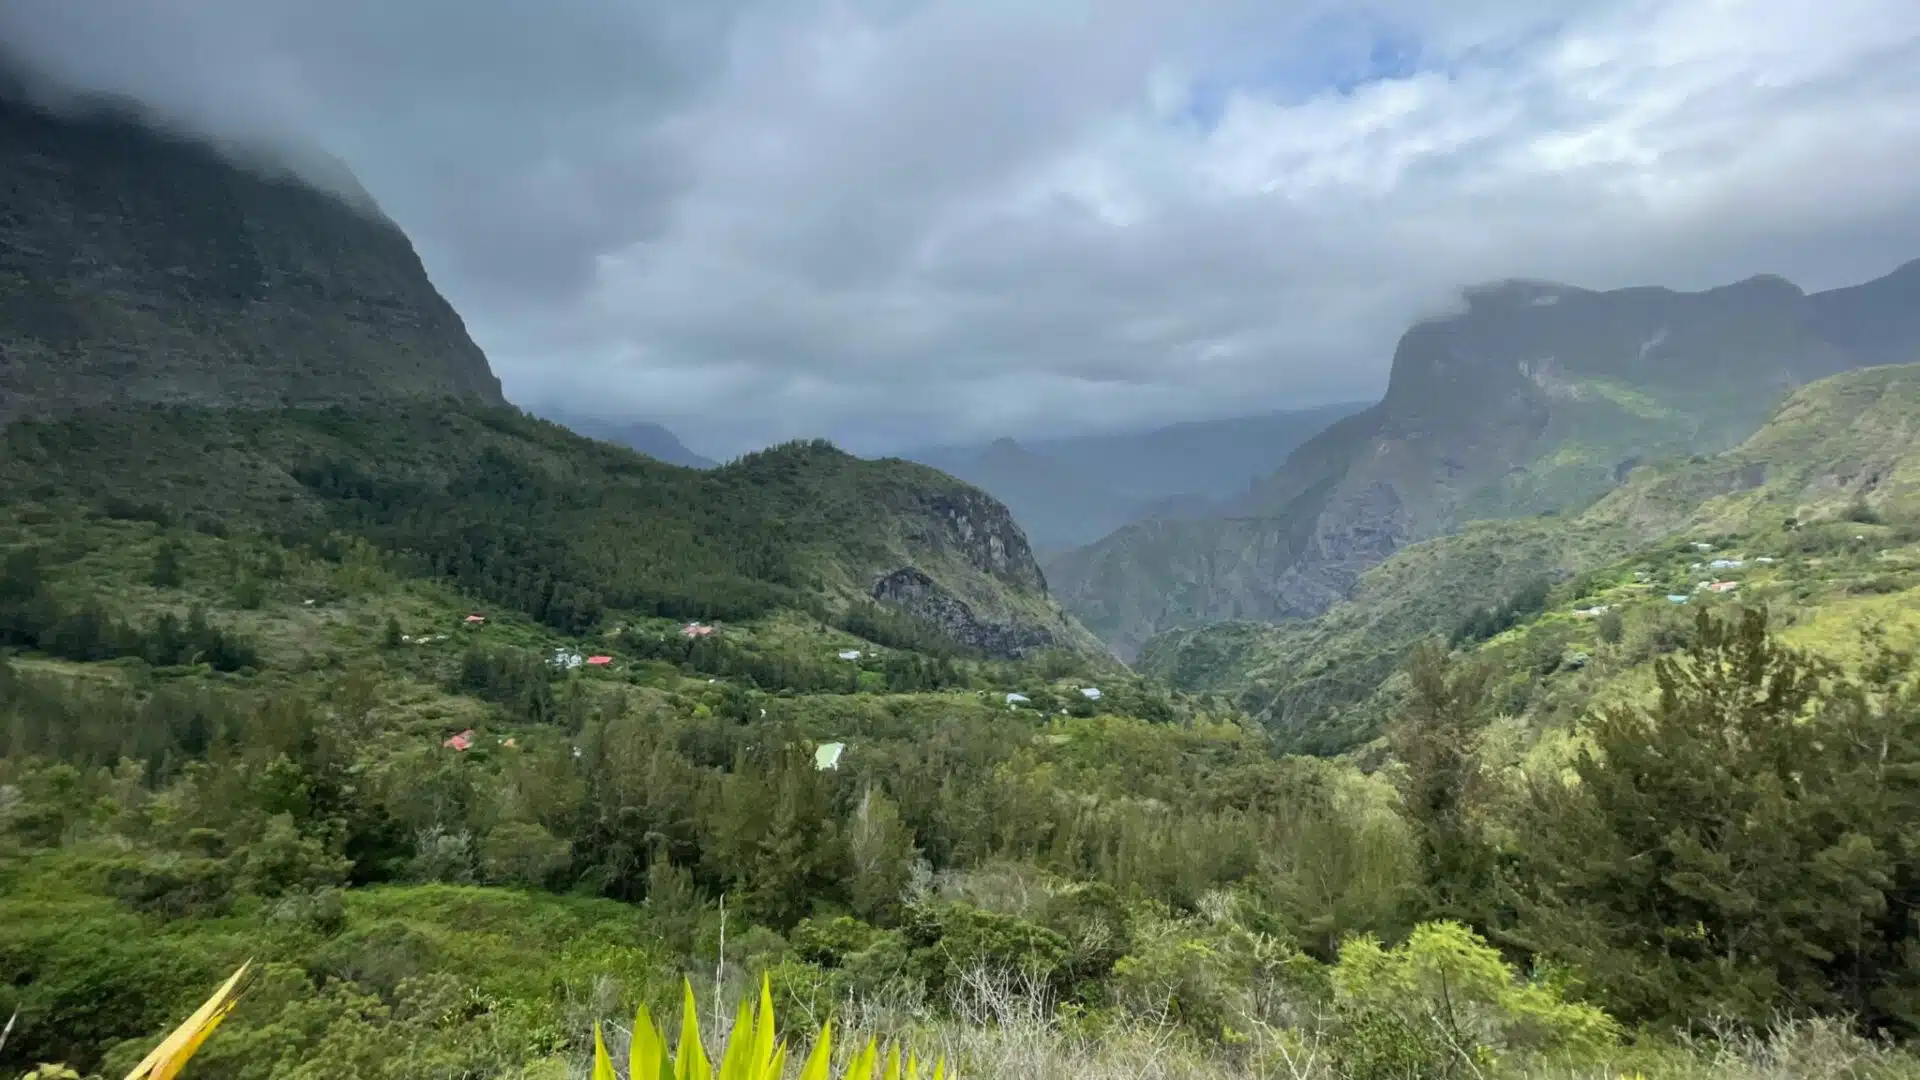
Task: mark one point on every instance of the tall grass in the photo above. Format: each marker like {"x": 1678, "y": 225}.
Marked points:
{"x": 1005, "y": 1030}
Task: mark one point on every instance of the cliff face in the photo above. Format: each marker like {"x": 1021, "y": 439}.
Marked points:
{"x": 1536, "y": 398}
{"x": 141, "y": 268}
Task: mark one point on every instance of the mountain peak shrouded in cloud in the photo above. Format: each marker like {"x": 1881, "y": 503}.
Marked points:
{"x": 939, "y": 222}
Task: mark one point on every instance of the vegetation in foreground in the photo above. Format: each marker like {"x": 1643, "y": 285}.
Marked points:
{"x": 1688, "y": 855}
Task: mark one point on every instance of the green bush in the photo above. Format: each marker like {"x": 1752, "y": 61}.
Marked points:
{"x": 1444, "y": 1002}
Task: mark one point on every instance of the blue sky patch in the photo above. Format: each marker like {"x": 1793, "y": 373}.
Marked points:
{"x": 1340, "y": 53}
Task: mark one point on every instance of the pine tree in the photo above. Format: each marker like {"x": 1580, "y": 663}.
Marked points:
{"x": 166, "y": 572}
{"x": 1743, "y": 845}
{"x": 1436, "y": 739}
{"x": 880, "y": 849}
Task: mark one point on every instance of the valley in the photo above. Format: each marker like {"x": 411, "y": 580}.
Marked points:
{"x": 1555, "y": 716}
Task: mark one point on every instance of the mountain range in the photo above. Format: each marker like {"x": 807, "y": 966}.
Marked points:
{"x": 641, "y": 436}
{"x": 187, "y": 338}
{"x": 1836, "y": 460}
{"x": 1070, "y": 491}
{"x": 1534, "y": 398}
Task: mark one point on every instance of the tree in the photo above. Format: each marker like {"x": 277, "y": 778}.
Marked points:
{"x": 523, "y": 854}
{"x": 1436, "y": 740}
{"x": 166, "y": 572}
{"x": 1742, "y": 846}
{"x": 880, "y": 849}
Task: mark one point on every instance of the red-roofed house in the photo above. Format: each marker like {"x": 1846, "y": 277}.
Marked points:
{"x": 474, "y": 620}
{"x": 462, "y": 741}
{"x": 600, "y": 661}
{"x": 696, "y": 630}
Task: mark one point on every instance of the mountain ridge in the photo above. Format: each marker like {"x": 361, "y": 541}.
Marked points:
{"x": 1534, "y": 398}
{"x": 142, "y": 267}
{"x": 655, "y": 440}
{"x": 189, "y": 339}
{"x": 1840, "y": 449}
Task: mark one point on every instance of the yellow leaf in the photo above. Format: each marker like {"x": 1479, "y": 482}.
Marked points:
{"x": 820, "y": 1060}
{"x": 602, "y": 1064}
{"x": 647, "y": 1054}
{"x": 690, "y": 1058}
{"x": 167, "y": 1059}
{"x": 736, "y": 1063}
{"x": 763, "y": 1033}
{"x": 861, "y": 1067}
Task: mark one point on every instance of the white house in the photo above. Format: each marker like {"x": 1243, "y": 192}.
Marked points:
{"x": 828, "y": 755}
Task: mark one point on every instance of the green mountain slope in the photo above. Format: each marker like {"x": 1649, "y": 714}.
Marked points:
{"x": 571, "y": 531}
{"x": 1535, "y": 398}
{"x": 1844, "y": 448}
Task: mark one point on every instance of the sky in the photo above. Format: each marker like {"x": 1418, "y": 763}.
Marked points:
{"x": 896, "y": 223}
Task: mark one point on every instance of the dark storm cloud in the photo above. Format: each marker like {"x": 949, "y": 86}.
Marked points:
{"x": 904, "y": 222}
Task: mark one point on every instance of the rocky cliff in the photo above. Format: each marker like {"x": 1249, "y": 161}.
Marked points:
{"x": 1533, "y": 399}
{"x": 138, "y": 267}
{"x": 914, "y": 539}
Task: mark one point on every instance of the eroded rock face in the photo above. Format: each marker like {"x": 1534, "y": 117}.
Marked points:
{"x": 141, "y": 268}
{"x": 909, "y": 589}
{"x": 974, "y": 525}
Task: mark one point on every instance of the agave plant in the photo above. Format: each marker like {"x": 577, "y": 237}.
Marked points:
{"x": 752, "y": 1053}
{"x": 167, "y": 1059}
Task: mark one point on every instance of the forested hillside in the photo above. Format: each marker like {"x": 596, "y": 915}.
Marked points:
{"x": 1838, "y": 459}
{"x": 455, "y": 832}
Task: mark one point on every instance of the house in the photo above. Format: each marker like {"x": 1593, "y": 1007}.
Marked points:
{"x": 849, "y": 654}
{"x": 1015, "y": 700}
{"x": 1592, "y": 612}
{"x": 1091, "y": 693}
{"x": 566, "y": 659}
{"x": 696, "y": 630}
{"x": 599, "y": 661}
{"x": 462, "y": 741}
{"x": 1724, "y": 586}
{"x": 1698, "y": 546}
{"x": 1678, "y": 598}
{"x": 1726, "y": 564}
{"x": 827, "y": 756}
{"x": 476, "y": 620}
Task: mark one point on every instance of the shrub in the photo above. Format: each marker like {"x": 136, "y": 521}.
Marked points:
{"x": 1445, "y": 1002}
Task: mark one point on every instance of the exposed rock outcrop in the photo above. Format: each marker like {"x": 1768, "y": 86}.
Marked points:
{"x": 909, "y": 589}
{"x": 138, "y": 267}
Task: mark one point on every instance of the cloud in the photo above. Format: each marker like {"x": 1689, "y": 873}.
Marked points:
{"x": 901, "y": 221}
